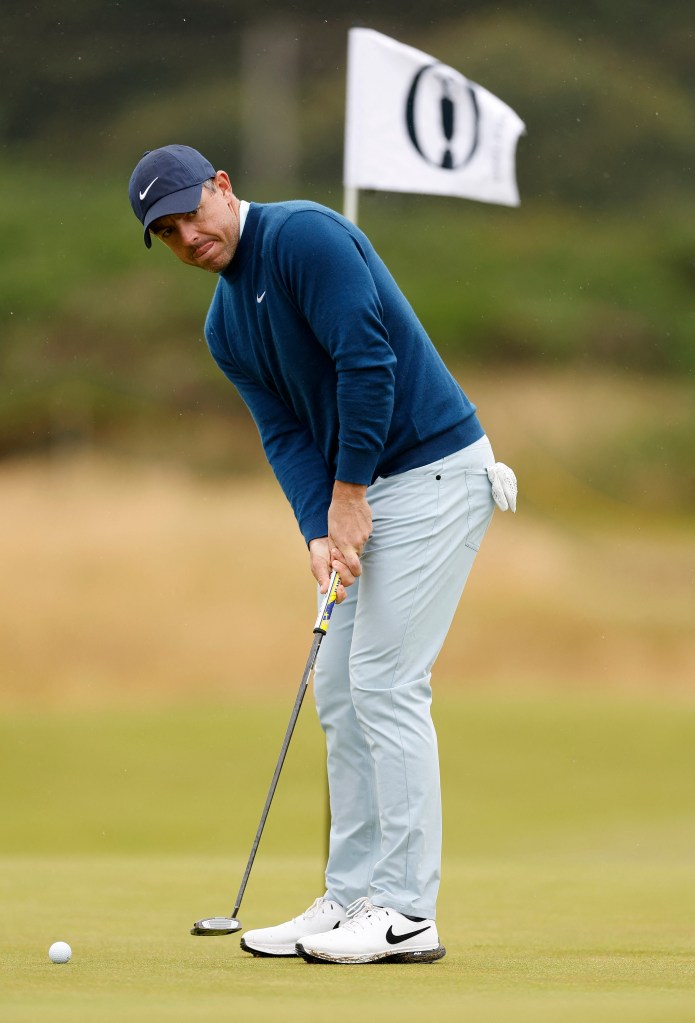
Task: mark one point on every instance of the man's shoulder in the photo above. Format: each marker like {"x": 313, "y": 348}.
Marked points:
{"x": 298, "y": 214}
{"x": 299, "y": 231}
{"x": 284, "y": 209}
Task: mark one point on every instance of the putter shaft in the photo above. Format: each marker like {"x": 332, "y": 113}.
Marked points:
{"x": 227, "y": 925}
{"x": 278, "y": 767}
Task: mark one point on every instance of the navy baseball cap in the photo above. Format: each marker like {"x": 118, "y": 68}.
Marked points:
{"x": 167, "y": 180}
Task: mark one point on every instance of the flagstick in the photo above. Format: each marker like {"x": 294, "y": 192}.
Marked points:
{"x": 350, "y": 203}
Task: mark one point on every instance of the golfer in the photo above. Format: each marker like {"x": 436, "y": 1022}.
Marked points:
{"x": 393, "y": 484}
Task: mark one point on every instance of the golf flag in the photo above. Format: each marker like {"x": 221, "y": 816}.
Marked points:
{"x": 415, "y": 125}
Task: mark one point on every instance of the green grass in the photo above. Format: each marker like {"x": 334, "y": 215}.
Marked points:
{"x": 567, "y": 886}
{"x": 571, "y": 936}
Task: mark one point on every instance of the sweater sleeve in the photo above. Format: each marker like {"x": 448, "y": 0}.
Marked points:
{"x": 325, "y": 270}
{"x": 298, "y": 465}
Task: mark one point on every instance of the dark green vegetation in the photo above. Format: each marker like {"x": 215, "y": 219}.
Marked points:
{"x": 101, "y": 336}
{"x": 567, "y": 880}
{"x": 101, "y": 339}
{"x": 605, "y": 88}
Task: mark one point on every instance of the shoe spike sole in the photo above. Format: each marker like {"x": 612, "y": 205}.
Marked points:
{"x": 259, "y": 954}
{"x": 428, "y": 955}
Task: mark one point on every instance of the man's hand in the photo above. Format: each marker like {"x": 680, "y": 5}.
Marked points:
{"x": 319, "y": 553}
{"x": 349, "y": 528}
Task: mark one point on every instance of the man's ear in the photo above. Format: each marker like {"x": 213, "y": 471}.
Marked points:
{"x": 222, "y": 181}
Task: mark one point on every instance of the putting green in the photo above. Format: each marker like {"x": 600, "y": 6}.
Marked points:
{"x": 567, "y": 888}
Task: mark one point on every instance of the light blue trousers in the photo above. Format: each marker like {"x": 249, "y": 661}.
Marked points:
{"x": 372, "y": 681}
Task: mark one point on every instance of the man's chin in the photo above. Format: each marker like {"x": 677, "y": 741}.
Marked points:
{"x": 211, "y": 259}
{"x": 213, "y": 266}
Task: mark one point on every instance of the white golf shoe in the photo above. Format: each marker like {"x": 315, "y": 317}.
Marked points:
{"x": 374, "y": 934}
{"x": 322, "y": 915}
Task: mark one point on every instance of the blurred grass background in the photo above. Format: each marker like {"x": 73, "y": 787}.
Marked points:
{"x": 155, "y": 594}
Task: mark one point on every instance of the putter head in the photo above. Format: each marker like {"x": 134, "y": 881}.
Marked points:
{"x": 215, "y": 925}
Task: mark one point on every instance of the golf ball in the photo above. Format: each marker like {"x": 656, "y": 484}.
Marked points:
{"x": 59, "y": 952}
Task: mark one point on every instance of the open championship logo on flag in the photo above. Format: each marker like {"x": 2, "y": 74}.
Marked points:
{"x": 452, "y": 142}
{"x": 416, "y": 125}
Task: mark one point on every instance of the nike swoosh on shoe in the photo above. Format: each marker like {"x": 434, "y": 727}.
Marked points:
{"x": 396, "y": 939}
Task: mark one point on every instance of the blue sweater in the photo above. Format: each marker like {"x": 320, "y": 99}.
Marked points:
{"x": 338, "y": 373}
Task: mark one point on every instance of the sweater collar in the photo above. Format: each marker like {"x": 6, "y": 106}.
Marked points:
{"x": 245, "y": 246}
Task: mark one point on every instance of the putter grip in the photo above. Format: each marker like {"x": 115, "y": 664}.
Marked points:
{"x": 326, "y": 609}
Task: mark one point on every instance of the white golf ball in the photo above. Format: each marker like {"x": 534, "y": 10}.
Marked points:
{"x": 59, "y": 952}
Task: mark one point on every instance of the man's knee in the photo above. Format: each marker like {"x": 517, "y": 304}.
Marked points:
{"x": 380, "y": 707}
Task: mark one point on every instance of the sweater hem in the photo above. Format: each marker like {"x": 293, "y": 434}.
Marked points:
{"x": 458, "y": 437}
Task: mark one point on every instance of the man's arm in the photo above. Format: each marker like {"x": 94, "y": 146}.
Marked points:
{"x": 325, "y": 269}
{"x": 327, "y": 272}
{"x": 336, "y": 539}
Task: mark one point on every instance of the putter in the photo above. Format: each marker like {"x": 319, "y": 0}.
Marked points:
{"x": 216, "y": 925}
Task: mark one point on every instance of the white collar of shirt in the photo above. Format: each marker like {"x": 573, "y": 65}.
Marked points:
{"x": 243, "y": 210}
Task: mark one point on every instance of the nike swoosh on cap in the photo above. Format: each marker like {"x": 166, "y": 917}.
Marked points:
{"x": 395, "y": 939}
{"x": 143, "y": 194}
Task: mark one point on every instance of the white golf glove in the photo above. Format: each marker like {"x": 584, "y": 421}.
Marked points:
{"x": 504, "y": 486}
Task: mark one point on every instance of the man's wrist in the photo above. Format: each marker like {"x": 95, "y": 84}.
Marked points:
{"x": 349, "y": 491}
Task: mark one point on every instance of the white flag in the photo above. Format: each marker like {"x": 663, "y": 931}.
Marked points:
{"x": 415, "y": 125}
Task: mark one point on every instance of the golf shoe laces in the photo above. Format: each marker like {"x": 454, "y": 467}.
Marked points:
{"x": 360, "y": 910}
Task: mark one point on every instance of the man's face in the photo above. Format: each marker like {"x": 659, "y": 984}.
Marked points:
{"x": 206, "y": 237}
